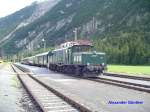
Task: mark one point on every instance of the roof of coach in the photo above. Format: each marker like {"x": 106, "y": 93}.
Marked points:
{"x": 43, "y": 54}
{"x": 100, "y": 53}
{"x": 59, "y": 49}
{"x": 29, "y": 57}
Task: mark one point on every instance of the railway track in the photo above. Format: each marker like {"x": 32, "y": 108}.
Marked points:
{"x": 130, "y": 82}
{"x": 127, "y": 76}
{"x": 46, "y": 97}
{"x": 119, "y": 80}
{"x": 126, "y": 81}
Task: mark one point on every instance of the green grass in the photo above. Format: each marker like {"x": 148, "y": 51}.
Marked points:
{"x": 145, "y": 70}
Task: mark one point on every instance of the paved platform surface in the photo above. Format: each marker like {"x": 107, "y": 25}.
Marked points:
{"x": 127, "y": 80}
{"x": 13, "y": 97}
{"x": 99, "y": 95}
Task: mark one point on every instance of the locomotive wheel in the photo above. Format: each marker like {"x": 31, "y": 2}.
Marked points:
{"x": 78, "y": 71}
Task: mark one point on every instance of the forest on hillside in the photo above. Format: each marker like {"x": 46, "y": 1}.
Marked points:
{"x": 130, "y": 48}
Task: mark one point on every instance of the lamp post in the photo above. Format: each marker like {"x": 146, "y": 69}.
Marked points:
{"x": 75, "y": 34}
{"x": 43, "y": 40}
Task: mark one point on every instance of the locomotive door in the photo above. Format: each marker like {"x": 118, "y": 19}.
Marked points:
{"x": 69, "y": 56}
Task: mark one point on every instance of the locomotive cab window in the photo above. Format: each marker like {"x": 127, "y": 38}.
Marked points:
{"x": 81, "y": 48}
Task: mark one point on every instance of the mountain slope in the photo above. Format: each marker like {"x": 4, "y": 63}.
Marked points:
{"x": 20, "y": 19}
{"x": 95, "y": 19}
{"x": 8, "y": 23}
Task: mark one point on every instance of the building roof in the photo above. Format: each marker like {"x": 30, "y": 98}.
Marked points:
{"x": 78, "y": 42}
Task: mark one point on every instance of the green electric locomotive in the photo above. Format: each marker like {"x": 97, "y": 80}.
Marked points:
{"x": 77, "y": 58}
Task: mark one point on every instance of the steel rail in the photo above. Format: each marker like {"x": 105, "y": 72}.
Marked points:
{"x": 127, "y": 76}
{"x": 129, "y": 85}
{"x": 70, "y": 101}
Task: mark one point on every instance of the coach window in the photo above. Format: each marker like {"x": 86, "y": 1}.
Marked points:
{"x": 80, "y": 59}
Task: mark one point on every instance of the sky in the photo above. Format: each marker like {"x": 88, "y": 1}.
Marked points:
{"x": 10, "y": 6}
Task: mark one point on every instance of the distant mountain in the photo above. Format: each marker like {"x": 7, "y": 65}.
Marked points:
{"x": 95, "y": 19}
{"x": 22, "y": 18}
{"x": 8, "y": 23}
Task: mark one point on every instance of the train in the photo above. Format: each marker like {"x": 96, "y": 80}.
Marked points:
{"x": 74, "y": 57}
{"x": 1, "y": 61}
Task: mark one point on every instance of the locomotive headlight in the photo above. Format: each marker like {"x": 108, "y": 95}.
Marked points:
{"x": 103, "y": 64}
{"x": 88, "y": 64}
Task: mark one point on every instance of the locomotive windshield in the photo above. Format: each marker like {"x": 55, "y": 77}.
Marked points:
{"x": 82, "y": 48}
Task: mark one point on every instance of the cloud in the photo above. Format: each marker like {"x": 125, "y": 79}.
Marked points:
{"x": 10, "y": 6}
